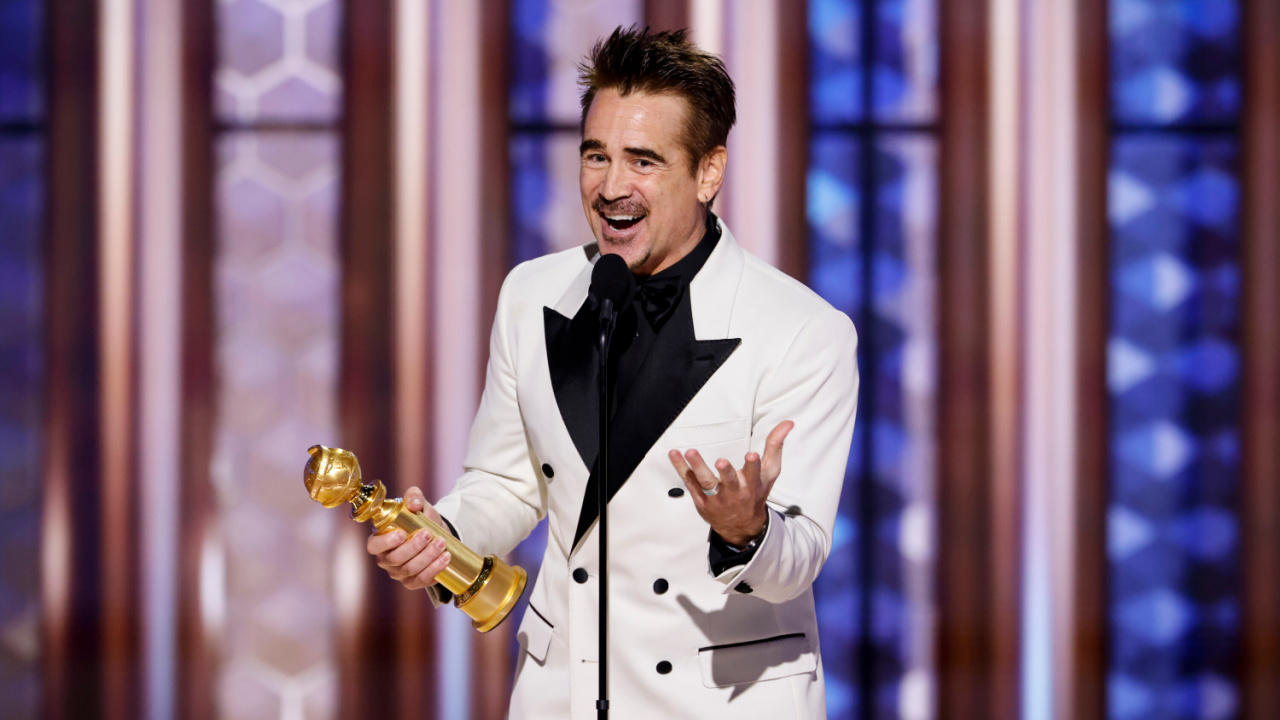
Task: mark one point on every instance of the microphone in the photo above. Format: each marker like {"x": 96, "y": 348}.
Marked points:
{"x": 612, "y": 284}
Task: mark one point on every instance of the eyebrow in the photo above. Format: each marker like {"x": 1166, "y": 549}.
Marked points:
{"x": 646, "y": 153}
{"x": 588, "y": 145}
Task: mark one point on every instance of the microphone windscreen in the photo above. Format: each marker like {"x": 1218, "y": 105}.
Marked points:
{"x": 611, "y": 279}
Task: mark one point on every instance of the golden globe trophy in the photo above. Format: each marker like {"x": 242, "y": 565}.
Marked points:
{"x": 485, "y": 588}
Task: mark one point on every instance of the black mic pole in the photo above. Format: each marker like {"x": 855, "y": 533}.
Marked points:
{"x": 607, "y": 317}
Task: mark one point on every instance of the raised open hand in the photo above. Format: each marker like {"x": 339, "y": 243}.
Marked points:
{"x": 730, "y": 499}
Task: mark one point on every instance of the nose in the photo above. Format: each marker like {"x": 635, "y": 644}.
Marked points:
{"x": 616, "y": 183}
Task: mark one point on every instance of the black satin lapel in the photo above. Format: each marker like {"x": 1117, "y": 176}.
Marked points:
{"x": 677, "y": 367}
{"x": 571, "y": 355}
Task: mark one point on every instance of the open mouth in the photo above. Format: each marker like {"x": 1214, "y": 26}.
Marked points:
{"x": 622, "y": 222}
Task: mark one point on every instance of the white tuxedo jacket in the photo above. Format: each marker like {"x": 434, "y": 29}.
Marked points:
{"x": 683, "y": 643}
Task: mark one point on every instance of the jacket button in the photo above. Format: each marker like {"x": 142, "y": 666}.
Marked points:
{"x": 548, "y": 471}
{"x": 660, "y": 586}
{"x": 743, "y": 588}
{"x": 580, "y": 575}
{"x": 675, "y": 492}
{"x": 664, "y": 667}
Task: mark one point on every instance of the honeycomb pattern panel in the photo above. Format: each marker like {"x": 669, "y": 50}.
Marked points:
{"x": 1175, "y": 61}
{"x": 278, "y": 287}
{"x": 874, "y": 597}
{"x": 278, "y": 61}
{"x": 1174, "y": 382}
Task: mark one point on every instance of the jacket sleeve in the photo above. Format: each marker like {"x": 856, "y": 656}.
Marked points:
{"x": 816, "y": 386}
{"x": 500, "y": 497}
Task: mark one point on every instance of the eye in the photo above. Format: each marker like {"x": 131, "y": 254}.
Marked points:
{"x": 594, "y": 159}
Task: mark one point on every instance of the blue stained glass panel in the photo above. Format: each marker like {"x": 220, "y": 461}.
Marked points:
{"x": 529, "y": 194}
{"x": 549, "y": 40}
{"x": 833, "y": 204}
{"x": 21, "y": 403}
{"x": 905, "y": 75}
{"x": 1175, "y": 61}
{"x": 1174, "y": 383}
{"x": 903, "y": 72}
{"x": 545, "y": 201}
{"x": 835, "y": 260}
{"x": 530, "y": 63}
{"x": 874, "y": 596}
{"x": 21, "y": 60}
{"x": 835, "y": 61}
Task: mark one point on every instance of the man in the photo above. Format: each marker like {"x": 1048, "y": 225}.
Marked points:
{"x": 718, "y": 356}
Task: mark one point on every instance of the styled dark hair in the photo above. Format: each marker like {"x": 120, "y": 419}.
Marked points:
{"x": 636, "y": 60}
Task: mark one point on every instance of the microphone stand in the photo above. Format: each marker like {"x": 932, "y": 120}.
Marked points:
{"x": 607, "y": 319}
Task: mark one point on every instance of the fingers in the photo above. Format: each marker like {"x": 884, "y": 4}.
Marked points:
{"x": 708, "y": 482}
{"x": 377, "y": 544}
{"x": 427, "y": 577}
{"x": 751, "y": 470}
{"x": 406, "y": 551}
{"x": 414, "y": 499}
{"x": 417, "y": 502}
{"x": 771, "y": 465}
{"x": 421, "y": 566}
{"x": 414, "y": 562}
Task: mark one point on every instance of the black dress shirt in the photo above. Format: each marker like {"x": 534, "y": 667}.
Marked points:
{"x": 639, "y": 324}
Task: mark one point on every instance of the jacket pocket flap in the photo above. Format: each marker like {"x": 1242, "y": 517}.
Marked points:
{"x": 755, "y": 660}
{"x": 535, "y": 634}
{"x": 710, "y": 433}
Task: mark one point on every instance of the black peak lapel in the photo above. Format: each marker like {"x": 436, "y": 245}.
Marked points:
{"x": 572, "y": 356}
{"x": 677, "y": 367}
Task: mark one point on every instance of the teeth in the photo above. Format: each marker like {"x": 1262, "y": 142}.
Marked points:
{"x": 622, "y": 218}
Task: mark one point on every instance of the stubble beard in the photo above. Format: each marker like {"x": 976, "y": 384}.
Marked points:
{"x": 622, "y": 207}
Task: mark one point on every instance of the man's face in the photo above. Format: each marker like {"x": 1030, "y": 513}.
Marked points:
{"x": 640, "y": 199}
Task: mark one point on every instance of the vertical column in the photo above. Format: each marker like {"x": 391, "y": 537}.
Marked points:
{"x": 159, "y": 233}
{"x": 762, "y": 201}
{"x": 978, "y": 526}
{"x": 1022, "y": 644}
{"x": 1079, "y": 640}
{"x": 459, "y": 266}
{"x": 409, "y": 38}
{"x": 200, "y": 602}
{"x": 1260, "y": 532}
{"x": 118, "y": 543}
{"x": 382, "y": 627}
{"x": 70, "y": 566}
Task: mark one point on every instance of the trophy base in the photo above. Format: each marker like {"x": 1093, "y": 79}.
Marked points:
{"x": 485, "y": 602}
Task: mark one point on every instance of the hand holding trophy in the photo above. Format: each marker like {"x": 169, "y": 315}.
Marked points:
{"x": 485, "y": 588}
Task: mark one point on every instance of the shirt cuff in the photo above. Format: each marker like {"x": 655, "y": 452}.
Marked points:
{"x": 722, "y": 556}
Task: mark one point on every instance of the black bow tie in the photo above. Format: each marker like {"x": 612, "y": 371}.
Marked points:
{"x": 657, "y": 298}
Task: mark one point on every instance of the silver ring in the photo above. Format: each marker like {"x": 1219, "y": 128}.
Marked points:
{"x": 714, "y": 489}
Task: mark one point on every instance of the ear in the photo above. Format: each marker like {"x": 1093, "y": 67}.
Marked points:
{"x": 711, "y": 173}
